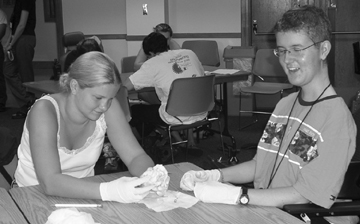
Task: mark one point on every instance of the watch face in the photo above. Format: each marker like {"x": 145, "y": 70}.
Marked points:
{"x": 244, "y": 200}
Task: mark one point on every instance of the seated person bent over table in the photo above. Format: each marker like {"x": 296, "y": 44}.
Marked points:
{"x": 165, "y": 30}
{"x": 86, "y": 45}
{"x": 309, "y": 139}
{"x": 64, "y": 133}
{"x": 160, "y": 71}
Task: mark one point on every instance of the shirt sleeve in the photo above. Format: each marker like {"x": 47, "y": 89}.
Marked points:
{"x": 145, "y": 76}
{"x": 321, "y": 179}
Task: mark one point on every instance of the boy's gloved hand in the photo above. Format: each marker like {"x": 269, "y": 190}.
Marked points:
{"x": 216, "y": 192}
{"x": 125, "y": 189}
{"x": 190, "y": 178}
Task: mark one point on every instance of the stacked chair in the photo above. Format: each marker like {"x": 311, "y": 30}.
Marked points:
{"x": 207, "y": 52}
{"x": 70, "y": 40}
{"x": 269, "y": 78}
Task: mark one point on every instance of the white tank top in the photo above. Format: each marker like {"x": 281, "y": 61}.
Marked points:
{"x": 77, "y": 162}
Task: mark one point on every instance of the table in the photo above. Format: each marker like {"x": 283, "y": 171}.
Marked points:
{"x": 42, "y": 87}
{"x": 9, "y": 212}
{"x": 36, "y": 206}
{"x": 51, "y": 86}
{"x": 223, "y": 80}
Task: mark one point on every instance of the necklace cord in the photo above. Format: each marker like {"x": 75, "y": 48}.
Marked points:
{"x": 272, "y": 175}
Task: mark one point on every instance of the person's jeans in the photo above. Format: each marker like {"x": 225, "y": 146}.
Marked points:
{"x": 21, "y": 69}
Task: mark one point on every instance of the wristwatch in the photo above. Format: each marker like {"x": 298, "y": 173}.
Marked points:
{"x": 244, "y": 197}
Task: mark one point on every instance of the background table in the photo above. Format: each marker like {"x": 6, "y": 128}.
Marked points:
{"x": 51, "y": 86}
{"x": 9, "y": 212}
{"x": 36, "y": 206}
{"x": 223, "y": 80}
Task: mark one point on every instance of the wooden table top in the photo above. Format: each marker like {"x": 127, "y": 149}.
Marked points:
{"x": 37, "y": 206}
{"x": 9, "y": 212}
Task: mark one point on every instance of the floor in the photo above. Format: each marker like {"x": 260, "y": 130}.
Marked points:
{"x": 245, "y": 139}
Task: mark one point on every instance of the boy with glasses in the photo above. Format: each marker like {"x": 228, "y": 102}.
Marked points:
{"x": 309, "y": 139}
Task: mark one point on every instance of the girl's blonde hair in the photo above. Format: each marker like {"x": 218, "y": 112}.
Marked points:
{"x": 89, "y": 70}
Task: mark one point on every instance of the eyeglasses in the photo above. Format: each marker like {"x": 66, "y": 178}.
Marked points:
{"x": 296, "y": 52}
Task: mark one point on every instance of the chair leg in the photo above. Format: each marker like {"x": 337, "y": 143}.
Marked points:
{"x": 171, "y": 145}
{"x": 221, "y": 139}
{"x": 240, "y": 111}
{"x": 6, "y": 175}
{"x": 142, "y": 134}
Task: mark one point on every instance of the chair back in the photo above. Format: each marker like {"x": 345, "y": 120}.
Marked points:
{"x": 122, "y": 97}
{"x": 206, "y": 50}
{"x": 267, "y": 65}
{"x": 351, "y": 186}
{"x": 127, "y": 64}
{"x": 70, "y": 40}
{"x": 191, "y": 96}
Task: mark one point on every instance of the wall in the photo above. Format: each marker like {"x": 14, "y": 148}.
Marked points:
{"x": 45, "y": 49}
{"x": 206, "y": 17}
{"x": 139, "y": 24}
{"x": 94, "y": 17}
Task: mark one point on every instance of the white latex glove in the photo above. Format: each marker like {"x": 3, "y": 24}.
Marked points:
{"x": 190, "y": 178}
{"x": 216, "y": 192}
{"x": 125, "y": 189}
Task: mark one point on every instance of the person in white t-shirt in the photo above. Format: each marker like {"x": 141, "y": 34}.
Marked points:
{"x": 165, "y": 30}
{"x": 159, "y": 71}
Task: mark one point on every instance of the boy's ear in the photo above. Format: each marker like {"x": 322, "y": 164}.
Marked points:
{"x": 325, "y": 48}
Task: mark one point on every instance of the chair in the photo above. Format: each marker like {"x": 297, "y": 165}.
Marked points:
{"x": 70, "y": 40}
{"x": 349, "y": 190}
{"x": 8, "y": 149}
{"x": 273, "y": 80}
{"x": 206, "y": 50}
{"x": 189, "y": 97}
{"x": 127, "y": 65}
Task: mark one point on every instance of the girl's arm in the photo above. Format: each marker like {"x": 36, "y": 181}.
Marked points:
{"x": 124, "y": 141}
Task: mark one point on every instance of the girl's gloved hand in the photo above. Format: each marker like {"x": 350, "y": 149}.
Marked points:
{"x": 125, "y": 189}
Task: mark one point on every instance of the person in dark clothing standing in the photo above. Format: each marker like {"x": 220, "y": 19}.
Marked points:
{"x": 21, "y": 44}
{"x": 3, "y": 96}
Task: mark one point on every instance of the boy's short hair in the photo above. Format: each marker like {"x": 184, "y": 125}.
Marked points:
{"x": 307, "y": 18}
{"x": 155, "y": 43}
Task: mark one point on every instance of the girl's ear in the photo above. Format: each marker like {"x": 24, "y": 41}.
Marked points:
{"x": 74, "y": 86}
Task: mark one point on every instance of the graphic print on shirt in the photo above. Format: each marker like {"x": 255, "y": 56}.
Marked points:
{"x": 180, "y": 63}
{"x": 303, "y": 143}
